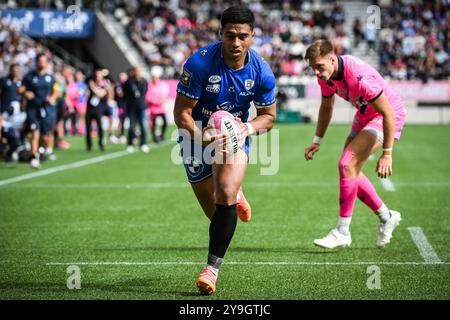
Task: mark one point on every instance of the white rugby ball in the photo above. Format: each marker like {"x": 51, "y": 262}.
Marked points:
{"x": 223, "y": 122}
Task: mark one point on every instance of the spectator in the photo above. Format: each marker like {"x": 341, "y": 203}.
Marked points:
{"x": 120, "y": 101}
{"x": 81, "y": 103}
{"x": 357, "y": 32}
{"x": 97, "y": 98}
{"x": 156, "y": 96}
{"x": 11, "y": 117}
{"x": 135, "y": 89}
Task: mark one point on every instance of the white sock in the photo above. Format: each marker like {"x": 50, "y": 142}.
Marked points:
{"x": 344, "y": 225}
{"x": 384, "y": 213}
{"x": 214, "y": 270}
{"x": 49, "y": 150}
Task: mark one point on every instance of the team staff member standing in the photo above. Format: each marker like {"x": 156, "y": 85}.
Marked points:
{"x": 10, "y": 108}
{"x": 134, "y": 90}
{"x": 41, "y": 92}
{"x": 97, "y": 98}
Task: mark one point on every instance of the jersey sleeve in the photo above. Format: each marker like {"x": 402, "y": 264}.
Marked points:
{"x": 369, "y": 87}
{"x": 191, "y": 79}
{"x": 326, "y": 90}
{"x": 265, "y": 94}
{"x": 27, "y": 82}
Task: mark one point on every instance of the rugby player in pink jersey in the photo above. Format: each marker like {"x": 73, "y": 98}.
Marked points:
{"x": 378, "y": 121}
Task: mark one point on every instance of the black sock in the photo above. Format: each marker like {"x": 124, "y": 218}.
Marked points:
{"x": 221, "y": 229}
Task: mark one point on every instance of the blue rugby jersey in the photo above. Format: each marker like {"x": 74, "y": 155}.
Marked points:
{"x": 216, "y": 86}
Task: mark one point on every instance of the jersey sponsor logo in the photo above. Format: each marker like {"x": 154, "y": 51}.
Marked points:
{"x": 207, "y": 113}
{"x": 187, "y": 94}
{"x": 249, "y": 83}
{"x": 213, "y": 88}
{"x": 226, "y": 106}
{"x": 246, "y": 94}
{"x": 194, "y": 165}
{"x": 186, "y": 77}
{"x": 359, "y": 103}
{"x": 214, "y": 79}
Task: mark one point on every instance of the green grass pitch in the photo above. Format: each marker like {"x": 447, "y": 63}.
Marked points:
{"x": 139, "y": 208}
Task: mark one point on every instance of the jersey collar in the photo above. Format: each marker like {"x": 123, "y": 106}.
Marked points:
{"x": 340, "y": 74}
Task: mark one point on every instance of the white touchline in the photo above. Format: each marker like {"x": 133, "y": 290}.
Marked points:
{"x": 425, "y": 248}
{"x": 262, "y": 263}
{"x": 253, "y": 184}
{"x": 387, "y": 184}
{"x": 69, "y": 166}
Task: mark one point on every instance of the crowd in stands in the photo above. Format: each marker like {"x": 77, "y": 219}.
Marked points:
{"x": 415, "y": 39}
{"x": 283, "y": 31}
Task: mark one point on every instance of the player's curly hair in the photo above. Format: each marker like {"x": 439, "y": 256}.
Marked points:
{"x": 319, "y": 48}
{"x": 238, "y": 14}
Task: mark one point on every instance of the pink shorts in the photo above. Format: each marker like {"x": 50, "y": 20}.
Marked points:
{"x": 375, "y": 126}
{"x": 81, "y": 107}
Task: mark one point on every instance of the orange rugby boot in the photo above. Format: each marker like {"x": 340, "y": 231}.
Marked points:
{"x": 206, "y": 282}
{"x": 244, "y": 210}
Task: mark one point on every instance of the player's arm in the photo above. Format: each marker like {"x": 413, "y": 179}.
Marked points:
{"x": 25, "y": 90}
{"x": 384, "y": 164}
{"x": 51, "y": 99}
{"x": 323, "y": 121}
{"x": 183, "y": 119}
{"x": 183, "y": 114}
{"x": 262, "y": 123}
{"x": 99, "y": 92}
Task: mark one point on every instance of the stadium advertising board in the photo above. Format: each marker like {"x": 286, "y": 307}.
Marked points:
{"x": 51, "y": 23}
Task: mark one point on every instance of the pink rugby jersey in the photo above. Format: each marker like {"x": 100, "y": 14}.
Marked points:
{"x": 360, "y": 84}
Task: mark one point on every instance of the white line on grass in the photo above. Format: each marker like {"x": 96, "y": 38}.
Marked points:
{"x": 254, "y": 184}
{"x": 425, "y": 248}
{"x": 262, "y": 263}
{"x": 68, "y": 166}
{"x": 387, "y": 184}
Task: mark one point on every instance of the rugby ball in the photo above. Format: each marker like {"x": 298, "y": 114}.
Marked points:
{"x": 223, "y": 122}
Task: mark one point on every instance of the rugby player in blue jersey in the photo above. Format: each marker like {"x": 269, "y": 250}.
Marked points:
{"x": 41, "y": 92}
{"x": 224, "y": 75}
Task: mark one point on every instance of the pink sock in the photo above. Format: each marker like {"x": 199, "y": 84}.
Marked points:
{"x": 368, "y": 195}
{"x": 348, "y": 188}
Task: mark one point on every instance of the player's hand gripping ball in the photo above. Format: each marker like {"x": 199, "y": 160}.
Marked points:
{"x": 223, "y": 122}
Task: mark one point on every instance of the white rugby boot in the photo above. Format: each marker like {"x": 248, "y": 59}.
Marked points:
{"x": 334, "y": 239}
{"x": 385, "y": 229}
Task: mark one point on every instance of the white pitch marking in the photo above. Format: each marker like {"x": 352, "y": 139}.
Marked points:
{"x": 387, "y": 184}
{"x": 159, "y": 185}
{"x": 68, "y": 166}
{"x": 425, "y": 248}
{"x": 263, "y": 263}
